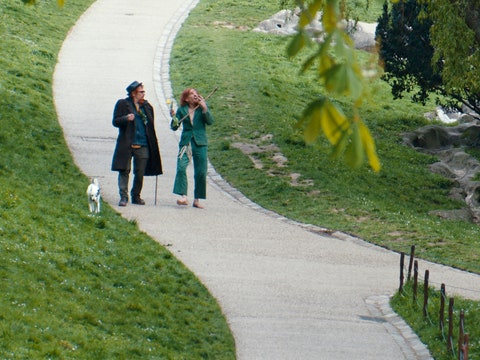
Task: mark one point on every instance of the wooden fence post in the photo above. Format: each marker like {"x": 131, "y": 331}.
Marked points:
{"x": 442, "y": 307}
{"x": 410, "y": 263}
{"x": 402, "y": 263}
{"x": 415, "y": 280}
{"x": 425, "y": 294}
{"x": 450, "y": 325}
{"x": 465, "y": 347}
{"x": 462, "y": 339}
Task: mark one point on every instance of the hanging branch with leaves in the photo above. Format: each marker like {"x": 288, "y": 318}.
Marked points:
{"x": 339, "y": 71}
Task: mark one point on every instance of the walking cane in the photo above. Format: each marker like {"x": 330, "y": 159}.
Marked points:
{"x": 156, "y": 186}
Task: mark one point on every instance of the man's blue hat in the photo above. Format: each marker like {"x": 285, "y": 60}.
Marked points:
{"x": 131, "y": 88}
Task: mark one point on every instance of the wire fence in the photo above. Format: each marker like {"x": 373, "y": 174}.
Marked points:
{"x": 459, "y": 349}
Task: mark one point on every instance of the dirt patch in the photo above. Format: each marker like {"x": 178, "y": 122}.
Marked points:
{"x": 263, "y": 147}
{"x": 227, "y": 25}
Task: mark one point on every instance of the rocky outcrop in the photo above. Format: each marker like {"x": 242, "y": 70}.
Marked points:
{"x": 285, "y": 22}
{"x": 448, "y": 144}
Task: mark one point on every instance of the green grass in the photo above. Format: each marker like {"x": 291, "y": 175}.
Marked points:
{"x": 428, "y": 327}
{"x": 75, "y": 286}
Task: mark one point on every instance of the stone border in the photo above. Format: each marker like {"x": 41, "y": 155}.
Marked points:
{"x": 403, "y": 335}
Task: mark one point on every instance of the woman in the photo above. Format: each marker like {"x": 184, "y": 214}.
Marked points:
{"x": 194, "y": 115}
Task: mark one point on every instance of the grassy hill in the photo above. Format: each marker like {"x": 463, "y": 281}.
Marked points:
{"x": 75, "y": 286}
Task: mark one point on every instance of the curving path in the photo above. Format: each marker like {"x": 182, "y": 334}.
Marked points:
{"x": 287, "y": 292}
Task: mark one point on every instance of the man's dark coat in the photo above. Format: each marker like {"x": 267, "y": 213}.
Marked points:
{"x": 126, "y": 134}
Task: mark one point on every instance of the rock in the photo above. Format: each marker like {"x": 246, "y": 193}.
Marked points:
{"x": 448, "y": 143}
{"x": 436, "y": 137}
{"x": 459, "y": 214}
{"x": 282, "y": 23}
{"x": 364, "y": 36}
{"x": 285, "y": 22}
{"x": 466, "y": 118}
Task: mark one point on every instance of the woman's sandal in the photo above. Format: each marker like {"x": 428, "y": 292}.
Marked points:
{"x": 196, "y": 204}
{"x": 182, "y": 202}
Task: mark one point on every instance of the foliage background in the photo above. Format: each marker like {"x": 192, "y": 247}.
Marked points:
{"x": 260, "y": 99}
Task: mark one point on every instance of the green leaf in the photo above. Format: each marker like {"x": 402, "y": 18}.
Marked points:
{"x": 334, "y": 122}
{"x": 314, "y": 127}
{"x": 354, "y": 154}
{"x": 330, "y": 16}
{"x": 323, "y": 115}
{"x": 308, "y": 15}
{"x": 336, "y": 79}
{"x": 354, "y": 78}
{"x": 307, "y": 113}
{"x": 298, "y": 43}
{"x": 339, "y": 148}
{"x": 311, "y": 127}
{"x": 369, "y": 146}
{"x": 339, "y": 45}
{"x": 342, "y": 79}
{"x": 325, "y": 63}
{"x": 348, "y": 137}
{"x": 308, "y": 63}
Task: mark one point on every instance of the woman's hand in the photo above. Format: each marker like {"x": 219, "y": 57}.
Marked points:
{"x": 202, "y": 103}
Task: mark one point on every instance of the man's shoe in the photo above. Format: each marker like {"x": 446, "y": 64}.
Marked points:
{"x": 138, "y": 201}
{"x": 123, "y": 202}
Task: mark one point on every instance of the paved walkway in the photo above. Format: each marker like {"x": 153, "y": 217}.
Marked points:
{"x": 287, "y": 292}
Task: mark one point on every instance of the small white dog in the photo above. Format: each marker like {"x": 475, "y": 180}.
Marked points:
{"x": 94, "y": 197}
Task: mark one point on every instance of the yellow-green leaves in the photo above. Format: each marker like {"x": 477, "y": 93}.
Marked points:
{"x": 323, "y": 115}
{"x": 343, "y": 79}
{"x": 334, "y": 122}
{"x": 368, "y": 144}
{"x": 299, "y": 41}
{"x": 339, "y": 71}
{"x": 350, "y": 138}
{"x": 331, "y": 14}
{"x": 308, "y": 14}
{"x": 354, "y": 155}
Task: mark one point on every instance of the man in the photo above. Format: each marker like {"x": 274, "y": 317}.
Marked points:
{"x": 134, "y": 118}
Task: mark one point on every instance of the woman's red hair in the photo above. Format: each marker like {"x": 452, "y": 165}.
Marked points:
{"x": 185, "y": 94}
